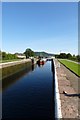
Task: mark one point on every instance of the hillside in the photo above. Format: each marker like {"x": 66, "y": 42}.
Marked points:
{"x": 44, "y": 54}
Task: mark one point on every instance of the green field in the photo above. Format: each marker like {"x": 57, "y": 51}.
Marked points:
{"x": 3, "y": 61}
{"x": 72, "y": 66}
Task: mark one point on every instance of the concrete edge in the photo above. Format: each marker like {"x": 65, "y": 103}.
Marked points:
{"x": 58, "y": 113}
{"x": 8, "y": 64}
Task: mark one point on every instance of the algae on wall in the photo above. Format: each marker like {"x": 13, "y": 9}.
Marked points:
{"x": 13, "y": 73}
{"x": 8, "y": 71}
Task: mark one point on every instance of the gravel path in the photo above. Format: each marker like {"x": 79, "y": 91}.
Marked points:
{"x": 69, "y": 82}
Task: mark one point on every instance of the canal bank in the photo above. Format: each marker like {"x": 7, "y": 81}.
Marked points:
{"x": 11, "y": 68}
{"x": 8, "y": 64}
{"x": 69, "y": 83}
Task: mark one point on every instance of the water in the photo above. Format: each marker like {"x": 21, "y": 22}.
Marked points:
{"x": 30, "y": 95}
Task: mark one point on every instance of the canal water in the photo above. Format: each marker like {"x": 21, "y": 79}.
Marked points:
{"x": 30, "y": 94}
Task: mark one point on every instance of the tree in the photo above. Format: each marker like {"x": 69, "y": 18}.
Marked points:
{"x": 8, "y": 56}
{"x": 78, "y": 58}
{"x": 62, "y": 55}
{"x": 68, "y": 56}
{"x": 29, "y": 53}
{"x": 74, "y": 58}
{"x": 0, "y": 55}
{"x": 4, "y": 55}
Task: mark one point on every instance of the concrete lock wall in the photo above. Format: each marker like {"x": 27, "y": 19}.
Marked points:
{"x": 56, "y": 95}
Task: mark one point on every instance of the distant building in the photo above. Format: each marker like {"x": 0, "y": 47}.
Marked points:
{"x": 20, "y": 55}
{"x": 31, "y": 57}
{"x": 53, "y": 57}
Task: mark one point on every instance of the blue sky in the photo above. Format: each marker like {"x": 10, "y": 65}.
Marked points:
{"x": 49, "y": 27}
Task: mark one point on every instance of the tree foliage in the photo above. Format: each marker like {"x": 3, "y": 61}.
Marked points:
{"x": 68, "y": 56}
{"x": 62, "y": 55}
{"x": 78, "y": 58}
{"x": 0, "y": 55}
{"x": 29, "y": 53}
{"x": 8, "y": 56}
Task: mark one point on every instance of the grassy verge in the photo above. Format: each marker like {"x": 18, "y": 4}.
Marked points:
{"x": 72, "y": 66}
{"x": 3, "y": 61}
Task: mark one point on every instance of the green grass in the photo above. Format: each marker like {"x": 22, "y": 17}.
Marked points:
{"x": 3, "y": 61}
{"x": 72, "y": 66}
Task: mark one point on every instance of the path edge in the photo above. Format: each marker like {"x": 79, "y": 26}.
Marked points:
{"x": 58, "y": 114}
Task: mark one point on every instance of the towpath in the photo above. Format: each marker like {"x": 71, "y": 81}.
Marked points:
{"x": 7, "y": 64}
{"x": 69, "y": 82}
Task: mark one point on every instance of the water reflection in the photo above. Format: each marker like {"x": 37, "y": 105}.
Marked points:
{"x": 53, "y": 89}
{"x": 8, "y": 71}
{"x": 40, "y": 65}
{"x": 32, "y": 67}
{"x": 6, "y": 82}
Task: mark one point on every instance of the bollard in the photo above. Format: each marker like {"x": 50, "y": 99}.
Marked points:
{"x": 32, "y": 61}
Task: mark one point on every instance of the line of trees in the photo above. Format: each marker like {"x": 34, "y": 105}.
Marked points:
{"x": 30, "y": 53}
{"x": 68, "y": 56}
{"x": 7, "y": 56}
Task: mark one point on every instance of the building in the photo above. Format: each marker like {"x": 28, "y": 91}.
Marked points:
{"x": 20, "y": 55}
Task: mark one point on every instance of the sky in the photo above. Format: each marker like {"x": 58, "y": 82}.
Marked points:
{"x": 42, "y": 26}
{"x": 40, "y": 0}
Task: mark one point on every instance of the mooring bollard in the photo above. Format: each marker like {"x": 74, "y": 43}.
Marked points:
{"x": 32, "y": 61}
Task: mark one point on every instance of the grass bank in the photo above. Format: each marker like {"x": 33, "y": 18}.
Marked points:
{"x": 74, "y": 67}
{"x": 3, "y": 61}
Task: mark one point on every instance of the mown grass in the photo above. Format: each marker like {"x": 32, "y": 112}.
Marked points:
{"x": 72, "y": 66}
{"x": 3, "y": 61}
